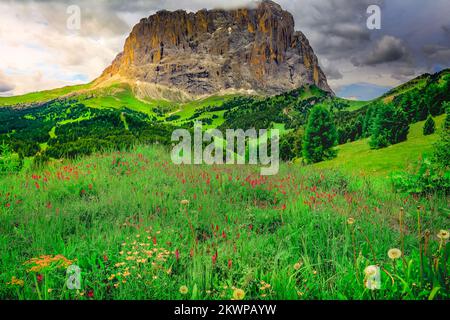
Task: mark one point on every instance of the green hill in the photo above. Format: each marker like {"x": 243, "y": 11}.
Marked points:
{"x": 81, "y": 119}
{"x": 357, "y": 157}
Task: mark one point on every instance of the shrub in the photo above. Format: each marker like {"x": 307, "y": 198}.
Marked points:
{"x": 429, "y": 127}
{"x": 426, "y": 180}
{"x": 9, "y": 162}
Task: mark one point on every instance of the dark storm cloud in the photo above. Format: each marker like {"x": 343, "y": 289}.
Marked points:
{"x": 335, "y": 28}
{"x": 437, "y": 53}
{"x": 388, "y": 49}
{"x": 446, "y": 29}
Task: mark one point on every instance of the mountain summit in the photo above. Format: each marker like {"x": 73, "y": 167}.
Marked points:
{"x": 180, "y": 55}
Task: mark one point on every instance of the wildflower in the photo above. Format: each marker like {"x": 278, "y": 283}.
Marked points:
{"x": 49, "y": 290}
{"x": 43, "y": 262}
{"x": 265, "y": 286}
{"x": 394, "y": 253}
{"x": 297, "y": 266}
{"x": 90, "y": 293}
{"x": 16, "y": 282}
{"x": 39, "y": 277}
{"x": 184, "y": 290}
{"x": 238, "y": 294}
{"x": 350, "y": 221}
{"x": 230, "y": 263}
{"x": 443, "y": 235}
{"x": 184, "y": 202}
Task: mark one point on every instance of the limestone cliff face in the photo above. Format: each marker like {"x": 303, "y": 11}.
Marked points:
{"x": 209, "y": 52}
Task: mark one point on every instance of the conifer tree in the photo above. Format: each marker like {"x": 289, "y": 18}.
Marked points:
{"x": 320, "y": 136}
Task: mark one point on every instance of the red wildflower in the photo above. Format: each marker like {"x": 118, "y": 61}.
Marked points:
{"x": 230, "y": 263}
{"x": 40, "y": 277}
{"x": 90, "y": 293}
{"x": 214, "y": 258}
{"x": 177, "y": 254}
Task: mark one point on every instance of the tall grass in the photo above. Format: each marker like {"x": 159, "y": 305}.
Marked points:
{"x": 141, "y": 228}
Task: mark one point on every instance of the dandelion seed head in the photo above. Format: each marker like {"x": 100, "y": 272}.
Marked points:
{"x": 394, "y": 253}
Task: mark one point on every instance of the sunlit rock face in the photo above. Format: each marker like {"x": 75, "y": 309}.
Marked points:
{"x": 254, "y": 49}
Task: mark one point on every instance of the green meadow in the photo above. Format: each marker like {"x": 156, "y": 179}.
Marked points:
{"x": 139, "y": 227}
{"x": 358, "y": 158}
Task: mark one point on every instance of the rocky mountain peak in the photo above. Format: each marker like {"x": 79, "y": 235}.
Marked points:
{"x": 180, "y": 55}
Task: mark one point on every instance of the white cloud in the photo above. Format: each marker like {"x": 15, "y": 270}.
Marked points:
{"x": 34, "y": 44}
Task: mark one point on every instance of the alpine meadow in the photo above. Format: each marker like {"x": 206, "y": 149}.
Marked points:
{"x": 93, "y": 206}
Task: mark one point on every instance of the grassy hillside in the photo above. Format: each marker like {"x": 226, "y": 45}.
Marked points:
{"x": 43, "y": 96}
{"x": 358, "y": 158}
{"x": 80, "y": 120}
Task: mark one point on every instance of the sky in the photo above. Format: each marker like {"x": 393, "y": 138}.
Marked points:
{"x": 39, "y": 52}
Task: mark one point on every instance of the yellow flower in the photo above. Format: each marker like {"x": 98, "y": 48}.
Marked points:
{"x": 443, "y": 235}
{"x": 184, "y": 290}
{"x": 350, "y": 221}
{"x": 297, "y": 266}
{"x": 16, "y": 282}
{"x": 238, "y": 294}
{"x": 46, "y": 261}
{"x": 126, "y": 274}
{"x": 184, "y": 202}
{"x": 394, "y": 253}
